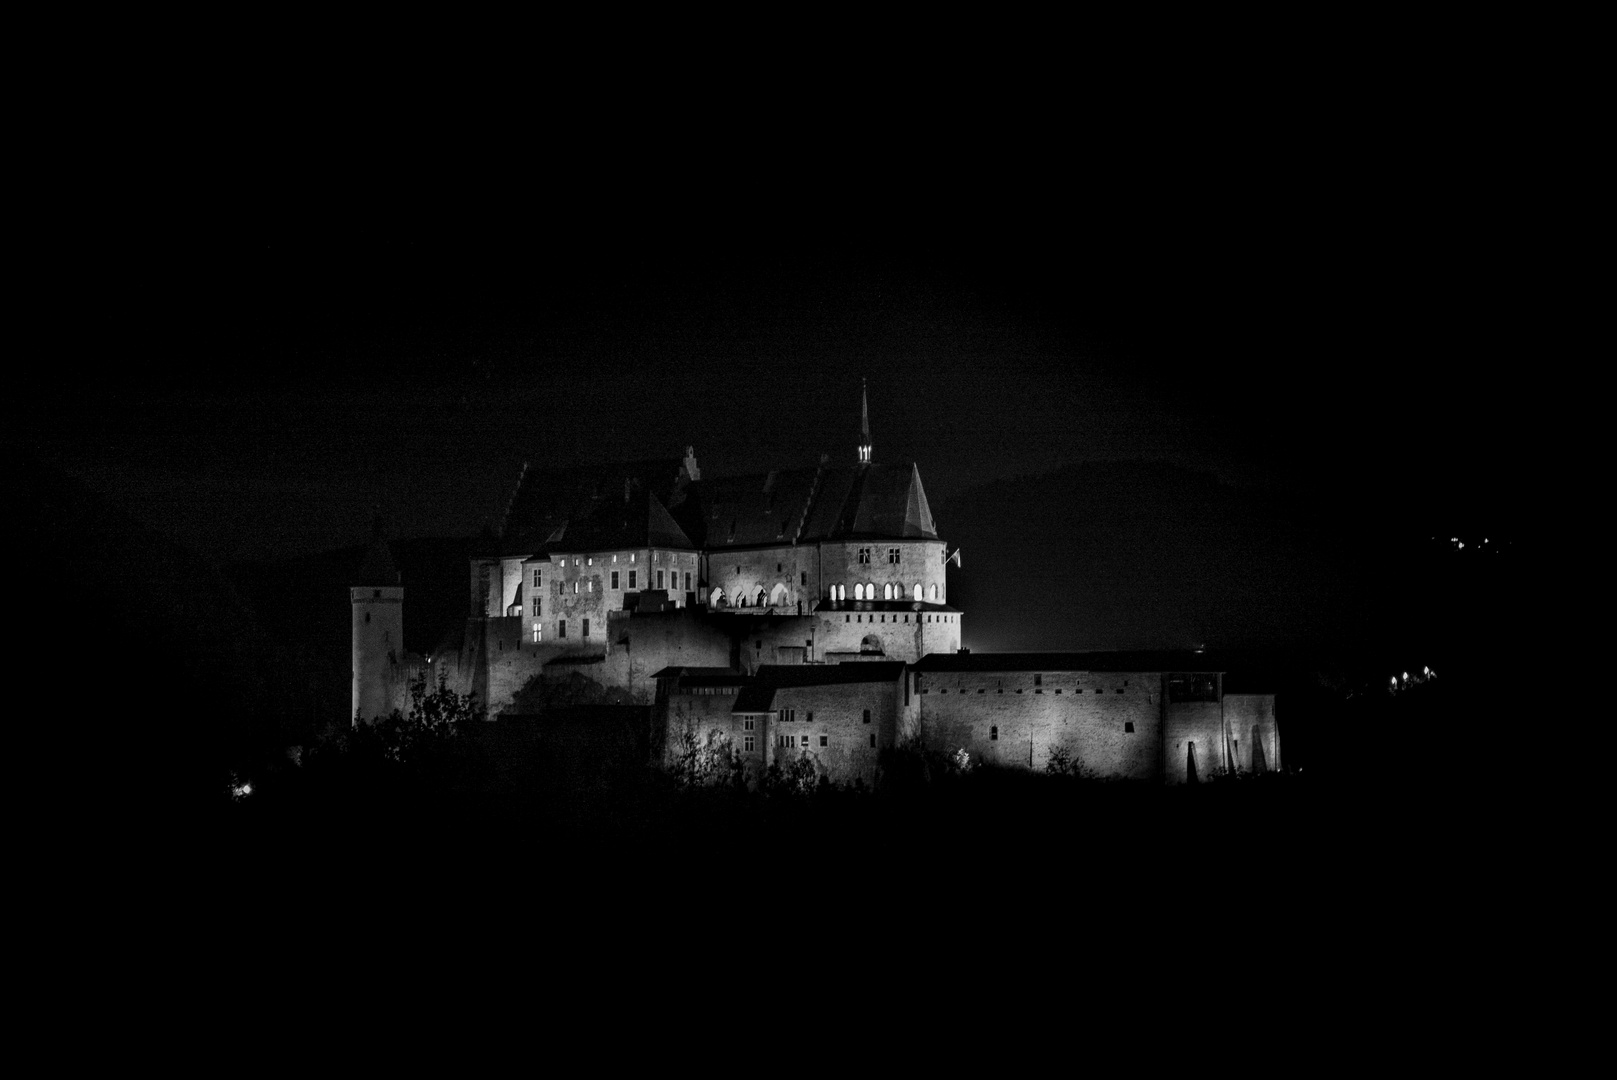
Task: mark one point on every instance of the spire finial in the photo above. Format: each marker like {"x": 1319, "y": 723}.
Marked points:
{"x": 864, "y": 423}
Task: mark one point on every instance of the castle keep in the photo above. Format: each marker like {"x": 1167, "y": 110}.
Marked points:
{"x": 796, "y": 614}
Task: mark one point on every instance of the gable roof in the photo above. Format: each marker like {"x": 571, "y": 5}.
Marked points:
{"x": 808, "y": 505}
{"x": 640, "y": 522}
{"x": 546, "y": 500}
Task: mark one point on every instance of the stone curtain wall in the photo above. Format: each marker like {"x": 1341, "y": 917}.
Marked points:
{"x": 1250, "y": 719}
{"x": 1085, "y": 713}
{"x": 904, "y": 635}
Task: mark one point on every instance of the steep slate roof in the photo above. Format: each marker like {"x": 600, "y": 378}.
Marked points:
{"x": 642, "y": 521}
{"x": 547, "y": 499}
{"x": 378, "y": 567}
{"x": 758, "y": 695}
{"x": 807, "y": 505}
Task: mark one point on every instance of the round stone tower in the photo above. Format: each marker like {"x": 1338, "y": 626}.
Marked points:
{"x": 378, "y": 632}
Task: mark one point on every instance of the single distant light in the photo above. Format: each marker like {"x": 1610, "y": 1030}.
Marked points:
{"x": 1428, "y": 671}
{"x": 1462, "y": 547}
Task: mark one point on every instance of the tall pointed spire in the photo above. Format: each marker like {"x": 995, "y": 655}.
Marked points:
{"x": 864, "y": 424}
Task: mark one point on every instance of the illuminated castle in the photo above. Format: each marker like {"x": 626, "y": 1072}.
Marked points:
{"x": 740, "y": 605}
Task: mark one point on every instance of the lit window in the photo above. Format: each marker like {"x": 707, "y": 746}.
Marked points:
{"x": 917, "y": 592}
{"x": 575, "y": 587}
{"x": 590, "y": 561}
{"x": 933, "y": 592}
{"x": 858, "y": 592}
{"x": 589, "y": 586}
{"x": 536, "y": 632}
{"x": 632, "y": 555}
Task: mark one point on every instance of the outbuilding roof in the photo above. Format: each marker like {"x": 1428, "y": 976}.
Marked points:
{"x": 1187, "y": 661}
{"x": 758, "y": 694}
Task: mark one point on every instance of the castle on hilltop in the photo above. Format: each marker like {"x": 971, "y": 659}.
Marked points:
{"x": 740, "y": 608}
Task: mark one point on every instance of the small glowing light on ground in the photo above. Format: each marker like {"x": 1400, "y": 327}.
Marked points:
{"x": 240, "y": 789}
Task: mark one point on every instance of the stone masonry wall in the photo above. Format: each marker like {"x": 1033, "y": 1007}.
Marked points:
{"x": 1087, "y": 713}
{"x": 1251, "y": 722}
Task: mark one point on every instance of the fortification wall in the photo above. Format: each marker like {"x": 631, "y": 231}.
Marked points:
{"x": 1111, "y": 722}
{"x": 902, "y": 635}
{"x": 1254, "y": 733}
{"x": 1193, "y": 722}
{"x": 827, "y": 727}
{"x": 639, "y": 646}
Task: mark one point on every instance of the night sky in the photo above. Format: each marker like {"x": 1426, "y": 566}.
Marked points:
{"x": 1310, "y": 313}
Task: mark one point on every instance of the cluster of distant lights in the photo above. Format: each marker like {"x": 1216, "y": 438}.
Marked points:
{"x": 239, "y": 788}
{"x": 1399, "y": 684}
{"x": 1459, "y": 544}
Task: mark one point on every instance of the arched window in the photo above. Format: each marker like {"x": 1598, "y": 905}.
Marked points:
{"x": 917, "y": 591}
{"x": 886, "y": 592}
{"x": 858, "y": 591}
{"x": 717, "y": 599}
{"x": 932, "y": 593}
{"x": 762, "y": 599}
{"x": 870, "y": 590}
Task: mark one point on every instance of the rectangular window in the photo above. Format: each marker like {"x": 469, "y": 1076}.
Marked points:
{"x": 536, "y": 579}
{"x": 892, "y": 555}
{"x": 746, "y": 743}
{"x": 614, "y": 579}
{"x": 631, "y": 579}
{"x": 825, "y": 740}
{"x": 632, "y": 554}
{"x": 659, "y": 579}
{"x": 538, "y": 606}
{"x": 1128, "y": 727}
{"x": 873, "y": 739}
{"x": 867, "y": 716}
{"x": 561, "y": 628}
{"x": 993, "y": 734}
{"x": 536, "y": 633}
{"x": 1038, "y": 680}
{"x": 805, "y": 579}
{"x": 746, "y": 725}
{"x": 687, "y": 581}
{"x": 586, "y": 631}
